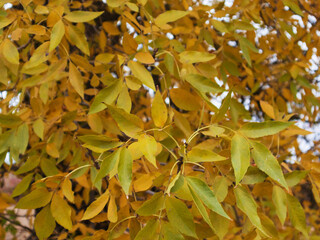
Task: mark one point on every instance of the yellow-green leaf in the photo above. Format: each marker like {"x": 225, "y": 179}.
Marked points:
{"x": 44, "y": 223}
{"x": 142, "y": 74}
{"x": 180, "y": 216}
{"x": 78, "y": 38}
{"x": 148, "y": 147}
{"x": 36, "y": 199}
{"x": 203, "y": 155}
{"x": 125, "y": 169}
{"x": 203, "y": 84}
{"x": 195, "y": 56}
{"x": 203, "y": 192}
{"x": 256, "y": 130}
{"x": 128, "y": 123}
{"x": 267, "y": 163}
{"x": 169, "y": 16}
{"x": 149, "y": 232}
{"x": 61, "y": 211}
{"x": 279, "y": 199}
{"x": 106, "y": 96}
{"x": 159, "y": 110}
{"x": 247, "y": 205}
{"x": 10, "y": 52}
{"x": 240, "y": 156}
{"x": 57, "y": 34}
{"x": 23, "y": 185}
{"x": 108, "y": 164}
{"x": 31, "y": 163}
{"x": 200, "y": 207}
{"x": 170, "y": 233}
{"x": 297, "y": 215}
{"x": 9, "y": 120}
{"x": 76, "y": 79}
{"x": 152, "y": 206}
{"x": 38, "y": 128}
{"x": 82, "y": 16}
{"x": 96, "y": 207}
{"x": 99, "y": 143}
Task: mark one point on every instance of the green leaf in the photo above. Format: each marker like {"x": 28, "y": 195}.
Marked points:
{"x": 23, "y": 185}
{"x": 169, "y": 16}
{"x": 203, "y": 84}
{"x": 200, "y": 207}
{"x": 149, "y": 232}
{"x": 106, "y": 96}
{"x": 159, "y": 110}
{"x": 195, "y": 56}
{"x": 57, "y": 34}
{"x": 203, "y": 155}
{"x": 82, "y": 16}
{"x": 9, "y": 120}
{"x": 267, "y": 163}
{"x": 36, "y": 199}
{"x": 96, "y": 206}
{"x": 142, "y": 74}
{"x": 247, "y": 205}
{"x": 99, "y": 143}
{"x": 76, "y": 80}
{"x": 293, "y": 178}
{"x": 256, "y": 130}
{"x": 279, "y": 199}
{"x": 148, "y": 147}
{"x": 10, "y": 52}
{"x": 180, "y": 217}
{"x": 240, "y": 156}
{"x": 202, "y": 190}
{"x": 296, "y": 214}
{"x": 44, "y": 223}
{"x": 152, "y": 206}
{"x": 128, "y": 123}
{"x": 61, "y": 211}
{"x": 125, "y": 169}
{"x": 108, "y": 164}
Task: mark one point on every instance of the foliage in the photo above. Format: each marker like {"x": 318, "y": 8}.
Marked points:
{"x": 110, "y": 115}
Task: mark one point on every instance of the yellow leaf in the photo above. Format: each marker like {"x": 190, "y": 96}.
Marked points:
{"x": 129, "y": 44}
{"x": 5, "y": 21}
{"x": 202, "y": 155}
{"x": 195, "y": 56}
{"x": 148, "y": 146}
{"x": 267, "y": 109}
{"x": 57, "y": 34}
{"x": 52, "y": 150}
{"x": 44, "y": 223}
{"x": 181, "y": 98}
{"x": 76, "y": 79}
{"x": 169, "y": 16}
{"x": 124, "y": 100}
{"x": 159, "y": 110}
{"x": 144, "y": 57}
{"x": 96, "y": 207}
{"x": 142, "y": 74}
{"x": 10, "y": 52}
{"x": 61, "y": 211}
{"x": 36, "y": 199}
{"x": 67, "y": 190}
{"x": 112, "y": 210}
{"x": 82, "y": 16}
{"x": 143, "y": 183}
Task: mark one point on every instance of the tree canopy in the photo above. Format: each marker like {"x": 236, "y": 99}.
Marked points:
{"x": 152, "y": 119}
